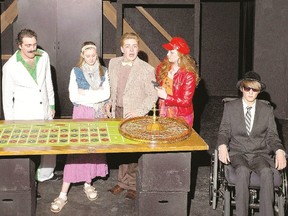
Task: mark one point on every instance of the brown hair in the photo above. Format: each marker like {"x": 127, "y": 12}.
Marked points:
{"x": 25, "y": 33}
{"x": 128, "y": 35}
{"x": 81, "y": 60}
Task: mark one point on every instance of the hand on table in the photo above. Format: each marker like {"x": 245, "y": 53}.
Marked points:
{"x": 52, "y": 114}
{"x": 107, "y": 108}
{"x": 130, "y": 115}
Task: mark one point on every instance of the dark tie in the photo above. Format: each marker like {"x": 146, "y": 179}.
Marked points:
{"x": 248, "y": 119}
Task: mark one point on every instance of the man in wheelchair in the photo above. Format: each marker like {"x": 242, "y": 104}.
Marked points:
{"x": 247, "y": 136}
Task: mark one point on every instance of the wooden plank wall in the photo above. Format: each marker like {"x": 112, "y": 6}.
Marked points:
{"x": 151, "y": 51}
{"x": 10, "y": 15}
{"x": 110, "y": 12}
{"x": 7, "y": 18}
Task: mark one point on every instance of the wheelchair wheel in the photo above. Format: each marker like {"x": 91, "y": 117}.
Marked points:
{"x": 285, "y": 190}
{"x": 283, "y": 204}
{"x": 211, "y": 189}
{"x": 213, "y": 181}
{"x": 281, "y": 196}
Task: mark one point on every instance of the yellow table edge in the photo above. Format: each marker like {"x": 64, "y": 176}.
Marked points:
{"x": 192, "y": 143}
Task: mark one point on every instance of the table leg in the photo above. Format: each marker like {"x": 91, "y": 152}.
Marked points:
{"x": 163, "y": 183}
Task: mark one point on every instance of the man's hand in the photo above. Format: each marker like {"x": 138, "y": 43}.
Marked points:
{"x": 52, "y": 113}
{"x": 107, "y": 108}
{"x": 130, "y": 115}
{"x": 280, "y": 160}
{"x": 223, "y": 154}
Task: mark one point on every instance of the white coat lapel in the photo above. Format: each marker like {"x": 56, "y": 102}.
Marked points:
{"x": 25, "y": 75}
{"x": 41, "y": 73}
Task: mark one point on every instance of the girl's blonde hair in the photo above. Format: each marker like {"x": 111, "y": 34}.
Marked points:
{"x": 81, "y": 60}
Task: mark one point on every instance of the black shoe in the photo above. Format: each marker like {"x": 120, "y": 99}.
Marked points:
{"x": 55, "y": 178}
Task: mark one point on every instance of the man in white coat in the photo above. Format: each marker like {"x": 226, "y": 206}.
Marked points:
{"x": 28, "y": 91}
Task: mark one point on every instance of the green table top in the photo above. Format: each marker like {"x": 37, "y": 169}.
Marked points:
{"x": 67, "y": 136}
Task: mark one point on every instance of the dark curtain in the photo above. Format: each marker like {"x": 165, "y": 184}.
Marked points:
{"x": 246, "y": 48}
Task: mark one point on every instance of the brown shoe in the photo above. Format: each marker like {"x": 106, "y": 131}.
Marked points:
{"x": 131, "y": 194}
{"x": 116, "y": 190}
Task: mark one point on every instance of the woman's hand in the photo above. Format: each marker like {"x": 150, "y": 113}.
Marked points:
{"x": 161, "y": 92}
{"x": 81, "y": 91}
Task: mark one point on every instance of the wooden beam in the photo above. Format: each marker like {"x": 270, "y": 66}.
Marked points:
{"x": 154, "y": 23}
{"x": 196, "y": 3}
{"x": 8, "y": 16}
{"x": 110, "y": 13}
{"x": 152, "y": 58}
{"x": 108, "y": 55}
{"x": 158, "y": 2}
{"x": 120, "y": 25}
{"x": 5, "y": 57}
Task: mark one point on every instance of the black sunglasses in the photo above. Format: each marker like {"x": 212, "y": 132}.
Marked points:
{"x": 247, "y": 89}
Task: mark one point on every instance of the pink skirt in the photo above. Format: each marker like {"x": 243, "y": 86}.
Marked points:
{"x": 84, "y": 167}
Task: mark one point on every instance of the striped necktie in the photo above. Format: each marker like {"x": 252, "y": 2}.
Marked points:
{"x": 248, "y": 119}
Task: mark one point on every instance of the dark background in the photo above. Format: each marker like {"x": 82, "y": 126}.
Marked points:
{"x": 235, "y": 36}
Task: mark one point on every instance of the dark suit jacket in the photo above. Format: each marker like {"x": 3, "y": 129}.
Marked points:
{"x": 263, "y": 137}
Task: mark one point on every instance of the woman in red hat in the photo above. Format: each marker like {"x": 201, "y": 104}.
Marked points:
{"x": 178, "y": 77}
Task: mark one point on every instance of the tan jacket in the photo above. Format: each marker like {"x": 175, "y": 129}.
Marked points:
{"x": 139, "y": 94}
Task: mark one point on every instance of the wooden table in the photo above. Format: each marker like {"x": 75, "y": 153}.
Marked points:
{"x": 74, "y": 136}
{"x": 164, "y": 168}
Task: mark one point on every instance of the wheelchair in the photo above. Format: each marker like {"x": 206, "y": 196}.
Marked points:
{"x": 221, "y": 187}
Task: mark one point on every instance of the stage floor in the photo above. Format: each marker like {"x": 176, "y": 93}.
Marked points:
{"x": 110, "y": 205}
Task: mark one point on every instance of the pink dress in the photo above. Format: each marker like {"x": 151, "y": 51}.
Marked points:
{"x": 84, "y": 167}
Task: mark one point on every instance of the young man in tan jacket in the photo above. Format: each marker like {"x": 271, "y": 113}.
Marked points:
{"x": 132, "y": 95}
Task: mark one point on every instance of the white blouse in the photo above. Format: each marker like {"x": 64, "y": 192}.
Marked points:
{"x": 90, "y": 97}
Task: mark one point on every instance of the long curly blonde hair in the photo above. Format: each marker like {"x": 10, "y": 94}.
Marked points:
{"x": 185, "y": 62}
